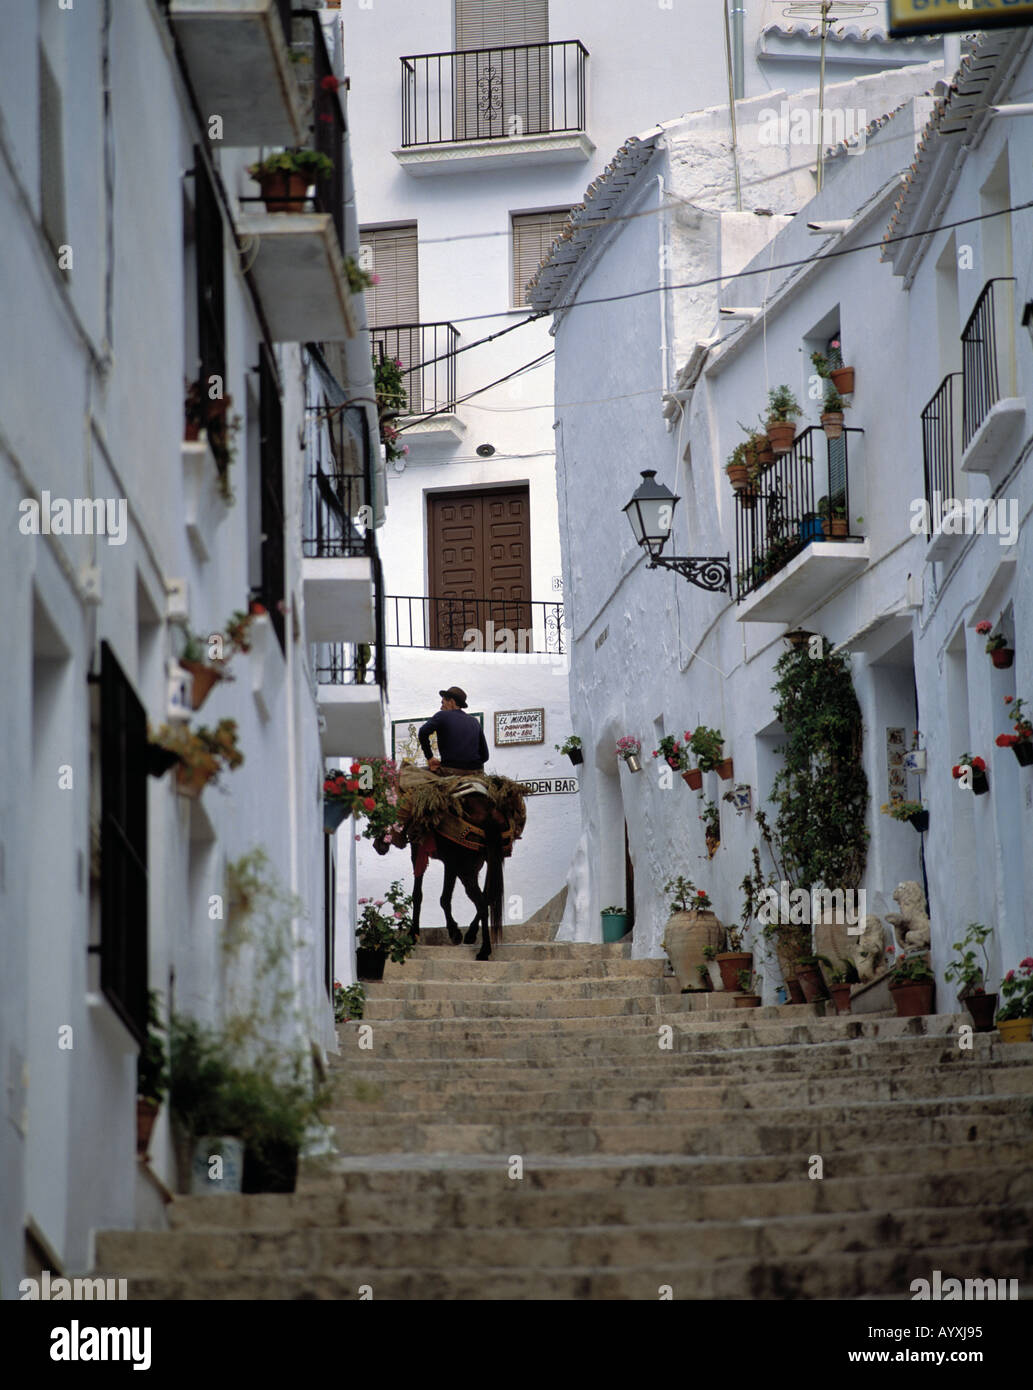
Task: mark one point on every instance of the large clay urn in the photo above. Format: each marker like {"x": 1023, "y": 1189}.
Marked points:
{"x": 685, "y": 936}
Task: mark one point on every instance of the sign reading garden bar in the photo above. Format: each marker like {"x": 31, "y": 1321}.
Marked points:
{"x": 909, "y": 17}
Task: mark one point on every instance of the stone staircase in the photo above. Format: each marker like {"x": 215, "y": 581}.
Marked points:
{"x": 644, "y": 1168}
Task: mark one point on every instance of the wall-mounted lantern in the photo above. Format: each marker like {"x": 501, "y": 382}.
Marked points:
{"x": 651, "y": 513}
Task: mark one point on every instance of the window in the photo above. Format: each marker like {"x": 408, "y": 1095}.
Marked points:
{"x": 392, "y": 254}
{"x": 123, "y": 846}
{"x": 272, "y": 584}
{"x": 533, "y": 234}
{"x": 495, "y": 23}
{"x": 211, "y": 297}
{"x": 505, "y": 91}
{"x": 51, "y": 157}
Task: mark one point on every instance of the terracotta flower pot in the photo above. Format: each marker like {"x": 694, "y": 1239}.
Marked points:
{"x": 795, "y": 991}
{"x": 283, "y": 192}
{"x": 1016, "y": 1030}
{"x": 724, "y": 769}
{"x": 832, "y": 423}
{"x": 191, "y": 781}
{"x": 1003, "y": 657}
{"x": 781, "y": 436}
{"x": 843, "y": 380}
{"x": 811, "y": 983}
{"x": 841, "y": 997}
{"x": 747, "y": 1001}
{"x": 694, "y": 779}
{"x": 146, "y": 1114}
{"x": 738, "y": 475}
{"x": 911, "y": 998}
{"x": 764, "y": 455}
{"x": 204, "y": 678}
{"x": 982, "y": 1007}
{"x": 730, "y": 963}
{"x": 835, "y": 529}
{"x": 685, "y": 936}
{"x": 1023, "y": 750}
{"x": 191, "y": 432}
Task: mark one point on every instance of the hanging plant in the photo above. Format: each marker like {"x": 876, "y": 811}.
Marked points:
{"x": 821, "y": 791}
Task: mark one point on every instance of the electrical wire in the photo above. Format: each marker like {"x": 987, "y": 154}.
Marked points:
{"x": 460, "y": 400}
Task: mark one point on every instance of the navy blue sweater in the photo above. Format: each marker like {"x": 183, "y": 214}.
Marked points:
{"x": 461, "y": 741}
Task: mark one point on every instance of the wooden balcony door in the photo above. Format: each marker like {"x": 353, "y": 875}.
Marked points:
{"x": 491, "y": 88}
{"x": 480, "y": 566}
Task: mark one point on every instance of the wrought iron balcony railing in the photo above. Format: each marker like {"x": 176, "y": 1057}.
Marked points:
{"x": 783, "y": 512}
{"x": 335, "y": 524}
{"x": 427, "y": 352}
{"x": 940, "y": 420}
{"x": 987, "y": 345}
{"x": 493, "y": 93}
{"x": 475, "y": 624}
{"x": 356, "y": 663}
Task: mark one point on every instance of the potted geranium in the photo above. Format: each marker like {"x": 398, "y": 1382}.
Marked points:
{"x": 203, "y": 411}
{"x": 202, "y": 753}
{"x": 358, "y": 279}
{"x": 972, "y": 976}
{"x": 733, "y": 960}
{"x": 832, "y": 511}
{"x": 152, "y": 1075}
{"x": 743, "y": 469}
{"x": 286, "y": 177}
{"x": 977, "y": 770}
{"x": 692, "y": 929}
{"x": 615, "y": 924}
{"x": 676, "y": 755}
{"x": 783, "y": 411}
{"x": 1015, "y": 1019}
{"x": 831, "y": 368}
{"x": 1000, "y": 653}
{"x": 833, "y": 407}
{"x": 1021, "y": 741}
{"x": 629, "y": 749}
{"x": 349, "y": 1002}
{"x": 571, "y": 747}
{"x": 912, "y": 811}
{"x": 340, "y": 797}
{"x": 708, "y": 746}
{"x": 383, "y": 935}
{"x": 711, "y": 819}
{"x": 912, "y": 985}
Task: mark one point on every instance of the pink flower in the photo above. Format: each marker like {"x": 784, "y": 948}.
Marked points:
{"x": 399, "y": 912}
{"x": 1027, "y": 964}
{"x": 1010, "y": 976}
{"x": 398, "y": 361}
{"x": 984, "y": 627}
{"x": 374, "y": 279}
{"x": 379, "y": 902}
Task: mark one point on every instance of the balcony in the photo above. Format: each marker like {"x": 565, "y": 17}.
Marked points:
{"x": 236, "y": 55}
{"x": 785, "y": 565}
{"x": 941, "y": 440}
{"x": 337, "y": 535}
{"x": 993, "y": 415}
{"x": 518, "y": 104}
{"x": 455, "y": 624}
{"x": 295, "y": 257}
{"x": 351, "y": 689}
{"x": 427, "y": 352}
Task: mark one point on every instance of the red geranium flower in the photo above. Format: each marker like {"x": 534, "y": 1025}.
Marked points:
{"x": 369, "y": 803}
{"x": 352, "y": 786}
{"x": 1006, "y": 740}
{"x": 326, "y": 118}
{"x": 330, "y": 83}
{"x": 1009, "y": 699}
{"x": 356, "y": 768}
{"x": 979, "y": 764}
{"x": 956, "y": 770}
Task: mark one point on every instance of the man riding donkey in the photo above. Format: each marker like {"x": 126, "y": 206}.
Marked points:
{"x": 453, "y": 811}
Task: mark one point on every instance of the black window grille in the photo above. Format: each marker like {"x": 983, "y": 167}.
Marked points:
{"x": 211, "y": 307}
{"x": 273, "y": 581}
{"x": 123, "y": 846}
{"x": 329, "y": 913}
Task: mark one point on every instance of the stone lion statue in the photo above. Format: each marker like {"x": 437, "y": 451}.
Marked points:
{"x": 911, "y": 923}
{"x": 870, "y": 949}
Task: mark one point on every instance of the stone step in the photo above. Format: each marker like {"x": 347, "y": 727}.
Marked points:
{"x": 459, "y": 963}
{"x": 415, "y": 1098}
{"x": 590, "y": 1005}
{"x": 884, "y": 1274}
{"x": 299, "y": 1251}
{"x": 991, "y": 1122}
{"x": 401, "y": 989}
{"x": 511, "y": 1203}
{"x": 531, "y": 951}
{"x": 433, "y": 932}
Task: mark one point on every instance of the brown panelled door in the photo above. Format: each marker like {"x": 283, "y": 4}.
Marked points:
{"x": 480, "y": 567}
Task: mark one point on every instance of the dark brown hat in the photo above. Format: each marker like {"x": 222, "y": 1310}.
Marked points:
{"x": 454, "y": 693}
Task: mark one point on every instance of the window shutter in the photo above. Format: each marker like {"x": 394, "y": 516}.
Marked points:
{"x": 394, "y": 257}
{"x": 533, "y": 234}
{"x": 498, "y": 23}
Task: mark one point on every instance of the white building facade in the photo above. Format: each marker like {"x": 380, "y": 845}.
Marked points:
{"x": 137, "y": 256}
{"x": 653, "y": 655}
{"x": 479, "y": 125}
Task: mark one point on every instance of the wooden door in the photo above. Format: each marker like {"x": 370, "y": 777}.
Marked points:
{"x": 480, "y": 567}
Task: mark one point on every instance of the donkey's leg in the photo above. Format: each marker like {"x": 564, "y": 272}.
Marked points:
{"x": 417, "y": 896}
{"x": 446, "y": 902}
{"x": 480, "y": 900}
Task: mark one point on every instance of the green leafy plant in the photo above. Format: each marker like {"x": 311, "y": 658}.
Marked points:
{"x": 211, "y": 413}
{"x": 358, "y": 279}
{"x": 902, "y": 810}
{"x": 749, "y": 983}
{"x": 309, "y": 162}
{"x": 211, "y": 750}
{"x": 569, "y": 745}
{"x": 391, "y": 931}
{"x": 834, "y": 508}
{"x": 349, "y": 1002}
{"x": 618, "y": 910}
{"x": 911, "y": 970}
{"x": 675, "y": 754}
{"x": 152, "y": 1074}
{"x": 782, "y": 406}
{"x": 685, "y": 896}
{"x": 821, "y": 790}
{"x": 709, "y": 953}
{"x": 1017, "y": 989}
{"x": 966, "y": 968}
{"x": 711, "y": 819}
{"x": 832, "y": 400}
{"x": 707, "y": 745}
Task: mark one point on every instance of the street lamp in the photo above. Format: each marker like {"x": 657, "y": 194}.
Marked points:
{"x": 651, "y": 514}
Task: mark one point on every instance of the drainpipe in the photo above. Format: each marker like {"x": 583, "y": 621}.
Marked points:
{"x": 733, "y": 65}
{"x": 738, "y": 17}
{"x": 665, "y": 366}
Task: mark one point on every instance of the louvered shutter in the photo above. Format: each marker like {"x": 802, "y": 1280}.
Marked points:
{"x": 533, "y": 234}
{"x": 393, "y": 255}
{"x": 501, "y": 93}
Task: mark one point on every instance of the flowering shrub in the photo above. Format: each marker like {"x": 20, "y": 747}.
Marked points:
{"x": 369, "y": 789}
{"x": 628, "y": 747}
{"x": 1017, "y": 988}
{"x": 358, "y": 279}
{"x": 967, "y": 760}
{"x": 209, "y": 750}
{"x": 390, "y": 931}
{"x": 349, "y": 1002}
{"x": 708, "y": 745}
{"x": 1022, "y": 722}
{"x": 685, "y": 896}
{"x": 902, "y": 810}
{"x": 911, "y": 970}
{"x": 674, "y": 753}
{"x": 994, "y": 643}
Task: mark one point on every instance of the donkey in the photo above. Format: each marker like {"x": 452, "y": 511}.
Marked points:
{"x": 465, "y": 865}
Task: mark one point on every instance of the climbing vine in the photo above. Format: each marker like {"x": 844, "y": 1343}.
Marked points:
{"x": 821, "y": 791}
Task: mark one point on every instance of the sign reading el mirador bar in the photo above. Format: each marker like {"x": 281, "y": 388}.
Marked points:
{"x": 909, "y": 17}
